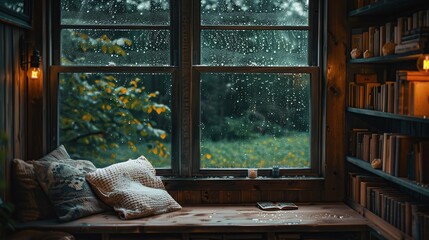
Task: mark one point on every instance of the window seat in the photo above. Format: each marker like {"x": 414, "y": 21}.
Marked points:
{"x": 332, "y": 220}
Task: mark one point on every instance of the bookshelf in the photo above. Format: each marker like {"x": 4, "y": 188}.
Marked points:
{"x": 370, "y": 187}
{"x": 389, "y": 58}
{"x": 383, "y": 7}
{"x": 387, "y": 115}
{"x": 412, "y": 185}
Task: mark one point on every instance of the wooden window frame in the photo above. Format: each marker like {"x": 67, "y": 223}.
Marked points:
{"x": 185, "y": 76}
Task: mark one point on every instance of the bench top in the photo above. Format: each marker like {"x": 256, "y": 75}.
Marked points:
{"x": 309, "y": 217}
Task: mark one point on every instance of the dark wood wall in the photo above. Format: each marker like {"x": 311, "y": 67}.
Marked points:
{"x": 13, "y": 99}
{"x": 27, "y": 135}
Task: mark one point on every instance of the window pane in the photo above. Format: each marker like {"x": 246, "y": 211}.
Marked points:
{"x": 254, "y": 48}
{"x": 113, "y": 12}
{"x": 14, "y": 5}
{"x": 111, "y": 117}
{"x": 255, "y": 120}
{"x": 249, "y": 12}
{"x": 115, "y": 47}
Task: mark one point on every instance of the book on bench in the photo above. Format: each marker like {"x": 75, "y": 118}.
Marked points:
{"x": 274, "y": 206}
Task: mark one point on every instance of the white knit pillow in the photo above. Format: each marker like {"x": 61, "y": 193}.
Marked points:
{"x": 132, "y": 189}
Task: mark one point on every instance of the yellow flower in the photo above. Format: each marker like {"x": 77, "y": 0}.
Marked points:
{"x": 123, "y": 90}
{"x": 87, "y": 117}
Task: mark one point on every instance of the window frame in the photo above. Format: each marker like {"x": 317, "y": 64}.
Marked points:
{"x": 185, "y": 70}
{"x": 313, "y": 68}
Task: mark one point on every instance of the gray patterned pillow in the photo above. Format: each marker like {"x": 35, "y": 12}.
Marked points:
{"x": 64, "y": 183}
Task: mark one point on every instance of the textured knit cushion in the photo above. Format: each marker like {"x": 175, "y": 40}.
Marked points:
{"x": 132, "y": 189}
{"x": 133, "y": 200}
{"x": 31, "y": 203}
{"x": 64, "y": 183}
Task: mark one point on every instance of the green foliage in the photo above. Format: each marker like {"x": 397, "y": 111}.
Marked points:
{"x": 263, "y": 152}
{"x": 98, "y": 114}
{"x": 101, "y": 112}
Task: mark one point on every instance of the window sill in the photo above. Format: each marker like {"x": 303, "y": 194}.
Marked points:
{"x": 241, "y": 183}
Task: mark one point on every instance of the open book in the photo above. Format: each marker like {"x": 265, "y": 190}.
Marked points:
{"x": 273, "y": 206}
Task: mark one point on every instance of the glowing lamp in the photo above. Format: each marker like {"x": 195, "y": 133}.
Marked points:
{"x": 423, "y": 63}
{"x": 34, "y": 71}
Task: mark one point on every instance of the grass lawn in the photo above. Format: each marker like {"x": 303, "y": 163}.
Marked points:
{"x": 263, "y": 152}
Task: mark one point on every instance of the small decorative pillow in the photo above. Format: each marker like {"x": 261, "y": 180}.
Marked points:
{"x": 59, "y": 153}
{"x": 132, "y": 189}
{"x": 133, "y": 200}
{"x": 64, "y": 183}
{"x": 31, "y": 203}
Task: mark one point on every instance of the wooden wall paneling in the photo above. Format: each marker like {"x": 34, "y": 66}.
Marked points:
{"x": 210, "y": 196}
{"x": 291, "y": 195}
{"x": 229, "y": 197}
{"x": 309, "y": 196}
{"x": 335, "y": 71}
{"x": 2, "y": 98}
{"x": 9, "y": 105}
{"x": 35, "y": 103}
{"x": 19, "y": 97}
{"x": 272, "y": 195}
{"x": 189, "y": 197}
{"x": 250, "y": 196}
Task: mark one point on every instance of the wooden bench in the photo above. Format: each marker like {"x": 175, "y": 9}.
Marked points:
{"x": 310, "y": 221}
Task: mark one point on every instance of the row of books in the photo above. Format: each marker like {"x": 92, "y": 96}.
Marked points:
{"x": 400, "y": 155}
{"x": 390, "y": 204}
{"x": 409, "y": 33}
{"x": 408, "y": 95}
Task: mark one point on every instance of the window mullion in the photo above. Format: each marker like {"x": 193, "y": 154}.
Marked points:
{"x": 186, "y": 100}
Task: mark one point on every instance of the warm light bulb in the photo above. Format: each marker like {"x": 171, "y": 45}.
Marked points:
{"x": 426, "y": 64}
{"x": 423, "y": 63}
{"x": 34, "y": 73}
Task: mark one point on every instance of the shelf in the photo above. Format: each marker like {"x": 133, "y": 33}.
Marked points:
{"x": 387, "y": 115}
{"x": 377, "y": 223}
{"x": 413, "y": 55}
{"x": 412, "y": 185}
{"x": 384, "y": 7}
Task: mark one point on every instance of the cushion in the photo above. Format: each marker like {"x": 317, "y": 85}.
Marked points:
{"x": 31, "y": 203}
{"x": 57, "y": 154}
{"x": 132, "y": 189}
{"x": 64, "y": 183}
{"x": 132, "y": 199}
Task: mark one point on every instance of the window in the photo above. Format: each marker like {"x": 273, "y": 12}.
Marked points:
{"x": 114, "y": 80}
{"x": 238, "y": 88}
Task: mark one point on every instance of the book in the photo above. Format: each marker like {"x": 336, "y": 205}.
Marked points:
{"x": 275, "y": 206}
{"x": 419, "y": 99}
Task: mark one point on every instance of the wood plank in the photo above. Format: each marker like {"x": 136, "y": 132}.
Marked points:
{"x": 226, "y": 219}
{"x": 335, "y": 72}
{"x": 9, "y": 106}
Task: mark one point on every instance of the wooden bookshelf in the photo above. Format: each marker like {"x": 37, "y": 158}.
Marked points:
{"x": 412, "y": 185}
{"x": 378, "y": 224}
{"x": 413, "y": 55}
{"x": 374, "y": 113}
{"x": 384, "y": 7}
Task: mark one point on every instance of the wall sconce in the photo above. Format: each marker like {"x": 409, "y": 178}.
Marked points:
{"x": 423, "y": 63}
{"x": 33, "y": 71}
